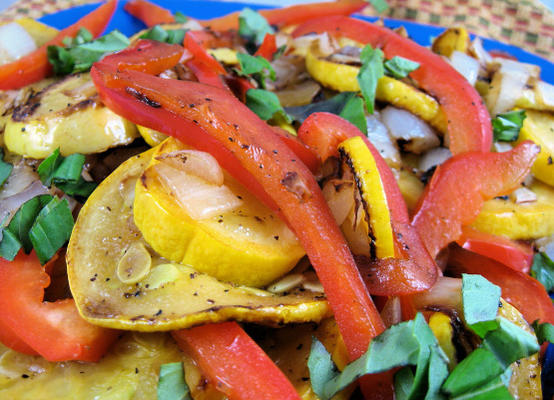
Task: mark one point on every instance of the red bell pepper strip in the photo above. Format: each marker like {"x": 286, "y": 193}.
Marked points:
{"x": 519, "y": 289}
{"x": 289, "y": 15}
{"x": 212, "y": 120}
{"x": 268, "y": 47}
{"x": 55, "y": 330}
{"x": 149, "y": 13}
{"x": 469, "y": 126}
{"x": 516, "y": 255}
{"x": 35, "y": 66}
{"x": 206, "y": 68}
{"x": 303, "y": 152}
{"x": 460, "y": 186}
{"x": 10, "y": 339}
{"x": 232, "y": 361}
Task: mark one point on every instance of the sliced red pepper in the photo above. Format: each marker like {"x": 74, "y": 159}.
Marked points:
{"x": 513, "y": 254}
{"x": 460, "y": 186}
{"x": 268, "y": 47}
{"x": 414, "y": 270}
{"x": 289, "y": 15}
{"x": 149, "y": 13}
{"x": 212, "y": 120}
{"x": 206, "y": 68}
{"x": 304, "y": 153}
{"x": 519, "y": 289}
{"x": 35, "y": 66}
{"x": 10, "y": 339}
{"x": 232, "y": 361}
{"x": 55, "y": 330}
{"x": 469, "y": 126}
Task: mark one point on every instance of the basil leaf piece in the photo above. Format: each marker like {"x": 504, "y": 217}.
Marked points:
{"x": 379, "y": 5}
{"x": 543, "y": 270}
{"x": 321, "y": 367}
{"x": 69, "y": 169}
{"x": 371, "y": 71}
{"x": 544, "y": 332}
{"x": 9, "y": 245}
{"x": 51, "y": 229}
{"x": 437, "y": 374}
{"x": 5, "y": 168}
{"x": 495, "y": 390}
{"x": 353, "y": 111}
{"x": 159, "y": 34}
{"x": 333, "y": 105}
{"x": 403, "y": 383}
{"x": 265, "y": 104}
{"x": 480, "y": 299}
{"x": 510, "y": 342}
{"x": 48, "y": 166}
{"x": 81, "y": 52}
{"x": 257, "y": 66}
{"x": 253, "y": 27}
{"x": 171, "y": 383}
{"x": 399, "y": 67}
{"x": 180, "y": 18}
{"x": 506, "y": 126}
{"x": 476, "y": 370}
{"x": 24, "y": 218}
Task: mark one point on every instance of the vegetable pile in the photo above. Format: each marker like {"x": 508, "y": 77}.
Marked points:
{"x": 284, "y": 204}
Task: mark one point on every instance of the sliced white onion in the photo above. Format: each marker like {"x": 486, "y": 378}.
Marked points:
{"x": 340, "y": 198}
{"x": 546, "y": 245}
{"x": 502, "y": 147}
{"x": 482, "y": 55}
{"x": 378, "y": 135}
{"x": 512, "y": 66}
{"x": 546, "y": 93}
{"x": 465, "y": 65}
{"x": 192, "y": 25}
{"x": 197, "y": 163}
{"x": 523, "y": 195}
{"x": 325, "y": 43}
{"x": 21, "y": 177}
{"x": 9, "y": 205}
{"x": 406, "y": 126}
{"x": 198, "y": 198}
{"x": 15, "y": 42}
{"x": 446, "y": 292}
{"x": 506, "y": 88}
{"x": 434, "y": 157}
{"x": 287, "y": 70}
{"x": 286, "y": 283}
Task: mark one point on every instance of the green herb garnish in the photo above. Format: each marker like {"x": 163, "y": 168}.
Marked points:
{"x": 180, "y": 18}
{"x": 65, "y": 174}
{"x": 265, "y": 104}
{"x": 171, "y": 36}
{"x": 353, "y": 111}
{"x": 400, "y": 67}
{"x": 171, "y": 383}
{"x": 543, "y": 270}
{"x": 9, "y": 245}
{"x": 5, "y": 168}
{"x": 82, "y": 51}
{"x": 544, "y": 332}
{"x": 253, "y": 27}
{"x": 371, "y": 71}
{"x": 379, "y": 5}
{"x": 258, "y": 67}
{"x": 480, "y": 299}
{"x": 506, "y": 126}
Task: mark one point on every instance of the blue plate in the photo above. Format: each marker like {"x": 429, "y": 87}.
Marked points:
{"x": 421, "y": 33}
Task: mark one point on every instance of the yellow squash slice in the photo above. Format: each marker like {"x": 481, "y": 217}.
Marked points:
{"x": 519, "y": 221}
{"x": 539, "y": 128}
{"x": 451, "y": 39}
{"x": 158, "y": 295}
{"x": 359, "y": 159}
{"x": 342, "y": 78}
{"x": 66, "y": 115}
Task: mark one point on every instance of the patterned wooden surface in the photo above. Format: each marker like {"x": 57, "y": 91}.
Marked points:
{"x": 524, "y": 23}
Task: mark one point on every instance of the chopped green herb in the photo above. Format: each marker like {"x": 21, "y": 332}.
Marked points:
{"x": 403, "y": 383}
{"x": 371, "y": 71}
{"x": 333, "y": 105}
{"x": 24, "y": 218}
{"x": 280, "y": 51}
{"x": 497, "y": 389}
{"x": 9, "y": 245}
{"x": 353, "y": 111}
{"x": 543, "y": 270}
{"x": 253, "y": 27}
{"x": 544, "y": 332}
{"x": 399, "y": 67}
{"x": 506, "y": 126}
{"x": 51, "y": 229}
{"x": 5, "y": 168}
{"x": 180, "y": 18}
{"x": 257, "y": 66}
{"x": 171, "y": 36}
{"x": 480, "y": 299}
{"x": 65, "y": 173}
{"x": 379, "y": 5}
{"x": 171, "y": 383}
{"x": 321, "y": 367}
{"x": 81, "y": 52}
{"x": 265, "y": 104}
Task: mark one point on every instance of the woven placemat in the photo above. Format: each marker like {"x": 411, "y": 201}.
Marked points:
{"x": 524, "y": 23}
